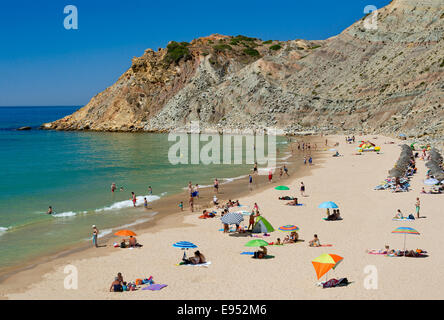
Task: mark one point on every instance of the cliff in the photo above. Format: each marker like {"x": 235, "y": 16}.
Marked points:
{"x": 386, "y": 80}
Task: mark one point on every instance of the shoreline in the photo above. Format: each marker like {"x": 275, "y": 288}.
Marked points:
{"x": 168, "y": 216}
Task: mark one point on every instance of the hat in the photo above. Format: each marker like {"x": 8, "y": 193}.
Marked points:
{"x": 93, "y": 226}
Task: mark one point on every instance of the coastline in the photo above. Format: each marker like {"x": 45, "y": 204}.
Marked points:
{"x": 167, "y": 216}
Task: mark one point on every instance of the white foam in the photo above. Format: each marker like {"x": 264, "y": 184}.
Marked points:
{"x": 3, "y": 229}
{"x": 129, "y": 203}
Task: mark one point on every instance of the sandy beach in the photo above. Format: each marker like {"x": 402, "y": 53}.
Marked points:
{"x": 367, "y": 224}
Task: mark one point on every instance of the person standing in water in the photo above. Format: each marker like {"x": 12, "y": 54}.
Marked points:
{"x": 150, "y": 190}
{"x": 250, "y": 181}
{"x": 49, "y": 210}
{"x": 255, "y": 168}
{"x": 145, "y": 203}
{"x": 133, "y": 199}
{"x": 216, "y": 185}
{"x": 113, "y": 187}
{"x": 95, "y": 235}
{"x": 302, "y": 189}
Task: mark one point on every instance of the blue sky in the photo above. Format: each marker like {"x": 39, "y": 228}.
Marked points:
{"x": 42, "y": 63}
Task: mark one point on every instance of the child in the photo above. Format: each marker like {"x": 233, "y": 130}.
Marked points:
{"x": 181, "y": 206}
{"x": 145, "y": 203}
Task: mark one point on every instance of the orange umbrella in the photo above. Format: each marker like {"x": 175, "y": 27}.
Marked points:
{"x": 325, "y": 262}
{"x": 125, "y": 233}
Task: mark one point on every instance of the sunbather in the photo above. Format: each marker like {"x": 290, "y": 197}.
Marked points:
{"x": 116, "y": 285}
{"x": 292, "y": 202}
{"x": 315, "y": 242}
{"x": 198, "y": 258}
{"x": 399, "y": 215}
{"x": 260, "y": 254}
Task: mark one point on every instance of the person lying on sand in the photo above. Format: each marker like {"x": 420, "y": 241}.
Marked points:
{"x": 292, "y": 202}
{"x": 197, "y": 259}
{"x": 315, "y": 242}
{"x": 386, "y": 250}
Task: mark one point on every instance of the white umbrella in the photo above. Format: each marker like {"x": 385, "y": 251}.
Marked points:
{"x": 431, "y": 182}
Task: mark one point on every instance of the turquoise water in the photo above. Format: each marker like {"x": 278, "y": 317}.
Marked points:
{"x": 72, "y": 172}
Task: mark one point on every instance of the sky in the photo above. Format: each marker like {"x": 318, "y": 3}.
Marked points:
{"x": 44, "y": 64}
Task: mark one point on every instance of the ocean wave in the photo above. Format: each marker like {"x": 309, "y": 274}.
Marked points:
{"x": 67, "y": 214}
{"x": 128, "y": 203}
{"x": 3, "y": 229}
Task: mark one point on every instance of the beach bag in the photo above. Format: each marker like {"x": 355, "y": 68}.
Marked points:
{"x": 411, "y": 217}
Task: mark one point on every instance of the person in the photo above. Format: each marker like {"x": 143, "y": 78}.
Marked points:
{"x": 113, "y": 187}
{"x": 260, "y": 254}
{"x": 256, "y": 207}
{"x": 293, "y": 202}
{"x": 133, "y": 199}
{"x": 190, "y": 187}
{"x": 281, "y": 172}
{"x": 250, "y": 181}
{"x": 95, "y": 236}
{"x": 133, "y": 242}
{"x": 294, "y": 236}
{"x": 49, "y": 210}
{"x": 216, "y": 185}
{"x": 251, "y": 222}
{"x": 145, "y": 203}
{"x": 191, "y": 202}
{"x": 278, "y": 242}
{"x": 196, "y": 190}
{"x": 302, "y": 189}
{"x": 198, "y": 258}
{"x": 423, "y": 190}
{"x": 286, "y": 171}
{"x": 270, "y": 176}
{"x": 181, "y": 206}
{"x": 417, "y": 206}
{"x": 398, "y": 215}
{"x": 215, "y": 200}
{"x": 255, "y": 168}
{"x": 310, "y": 160}
{"x": 116, "y": 285}
{"x": 305, "y": 160}
{"x": 150, "y": 190}
{"x": 315, "y": 242}
{"x": 119, "y": 275}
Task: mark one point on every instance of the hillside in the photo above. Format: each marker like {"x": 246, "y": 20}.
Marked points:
{"x": 383, "y": 81}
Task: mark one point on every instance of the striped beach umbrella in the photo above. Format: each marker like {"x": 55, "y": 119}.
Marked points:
{"x": 325, "y": 262}
{"x": 289, "y": 228}
{"x": 405, "y": 231}
{"x": 328, "y": 205}
{"x": 184, "y": 245}
{"x": 232, "y": 218}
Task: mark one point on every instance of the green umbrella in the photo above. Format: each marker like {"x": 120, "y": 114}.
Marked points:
{"x": 282, "y": 188}
{"x": 256, "y": 243}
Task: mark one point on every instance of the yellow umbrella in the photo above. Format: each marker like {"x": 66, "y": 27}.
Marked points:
{"x": 325, "y": 262}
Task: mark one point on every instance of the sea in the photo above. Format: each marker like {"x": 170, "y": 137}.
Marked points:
{"x": 72, "y": 172}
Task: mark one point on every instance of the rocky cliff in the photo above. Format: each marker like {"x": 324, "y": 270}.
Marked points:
{"x": 387, "y": 79}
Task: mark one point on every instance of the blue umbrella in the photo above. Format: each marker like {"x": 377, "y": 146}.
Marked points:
{"x": 402, "y": 135}
{"x": 184, "y": 245}
{"x": 328, "y": 205}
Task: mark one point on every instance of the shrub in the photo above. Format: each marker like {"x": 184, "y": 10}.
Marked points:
{"x": 177, "y": 51}
{"x": 222, "y": 47}
{"x": 251, "y": 52}
{"x": 275, "y": 47}
{"x": 267, "y": 42}
{"x": 314, "y": 47}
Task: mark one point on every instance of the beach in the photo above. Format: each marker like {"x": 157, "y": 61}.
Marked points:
{"x": 367, "y": 223}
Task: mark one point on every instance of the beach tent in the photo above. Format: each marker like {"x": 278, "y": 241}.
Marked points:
{"x": 262, "y": 226}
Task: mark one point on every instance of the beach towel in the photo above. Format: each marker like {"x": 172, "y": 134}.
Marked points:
{"x": 155, "y": 287}
{"x": 323, "y": 245}
{"x": 248, "y": 253}
{"x": 266, "y": 257}
{"x": 231, "y": 230}
{"x": 403, "y": 219}
{"x": 326, "y": 219}
{"x": 206, "y": 264}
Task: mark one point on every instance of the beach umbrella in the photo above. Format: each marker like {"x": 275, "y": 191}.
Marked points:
{"x": 402, "y": 135}
{"x": 325, "y": 262}
{"x": 328, "y": 205}
{"x": 405, "y": 231}
{"x": 125, "y": 233}
{"x": 431, "y": 182}
{"x": 232, "y": 218}
{"x": 184, "y": 245}
{"x": 282, "y": 188}
{"x": 256, "y": 243}
{"x": 289, "y": 228}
